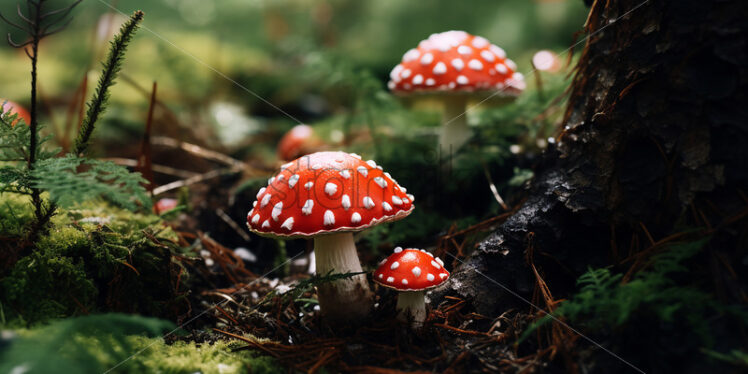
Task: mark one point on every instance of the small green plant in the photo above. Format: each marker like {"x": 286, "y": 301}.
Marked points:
{"x": 29, "y": 166}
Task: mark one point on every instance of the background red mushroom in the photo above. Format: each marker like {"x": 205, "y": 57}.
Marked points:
{"x": 456, "y": 66}
{"x": 13, "y": 107}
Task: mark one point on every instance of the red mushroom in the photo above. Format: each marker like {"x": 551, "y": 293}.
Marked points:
{"x": 23, "y": 114}
{"x": 298, "y": 141}
{"x": 328, "y": 196}
{"x": 164, "y": 205}
{"x": 411, "y": 271}
{"x": 455, "y": 66}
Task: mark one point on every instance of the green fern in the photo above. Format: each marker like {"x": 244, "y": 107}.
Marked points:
{"x": 67, "y": 184}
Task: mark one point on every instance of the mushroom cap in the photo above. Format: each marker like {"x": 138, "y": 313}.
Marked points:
{"x": 327, "y": 192}
{"x": 296, "y": 142}
{"x": 411, "y": 270}
{"x": 456, "y": 62}
{"x": 165, "y": 205}
{"x": 16, "y": 108}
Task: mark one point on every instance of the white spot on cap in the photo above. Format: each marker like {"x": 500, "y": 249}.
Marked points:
{"x": 255, "y": 219}
{"x": 396, "y": 200}
{"x": 464, "y": 50}
{"x": 316, "y": 167}
{"x": 346, "y": 202}
{"x": 286, "y": 166}
{"x": 475, "y": 64}
{"x": 497, "y": 51}
{"x": 461, "y": 79}
{"x": 416, "y": 271}
{"x": 265, "y": 201}
{"x": 443, "y": 275}
{"x": 277, "y": 209}
{"x": 510, "y": 64}
{"x": 427, "y": 58}
{"x": 292, "y": 181}
{"x": 261, "y": 191}
{"x": 395, "y": 73}
{"x": 405, "y": 281}
{"x": 355, "y": 155}
{"x": 372, "y": 163}
{"x": 331, "y": 189}
{"x": 501, "y": 68}
{"x": 380, "y": 274}
{"x": 430, "y": 277}
{"x": 405, "y": 73}
{"x": 440, "y": 68}
{"x": 329, "y": 218}
{"x": 411, "y": 197}
{"x": 394, "y": 265}
{"x": 479, "y": 42}
{"x": 280, "y": 177}
{"x": 288, "y": 224}
{"x": 254, "y": 204}
{"x": 398, "y": 249}
{"x": 308, "y": 185}
{"x": 390, "y": 279}
{"x": 363, "y": 170}
{"x": 518, "y": 76}
{"x": 266, "y": 224}
{"x": 458, "y": 64}
{"x": 418, "y": 79}
{"x": 411, "y": 55}
{"x": 435, "y": 264}
{"x": 380, "y": 181}
{"x": 271, "y": 180}
{"x": 439, "y": 260}
{"x": 355, "y": 218}
{"x": 430, "y": 82}
{"x": 368, "y": 202}
{"x": 387, "y": 207}
{"x": 307, "y": 208}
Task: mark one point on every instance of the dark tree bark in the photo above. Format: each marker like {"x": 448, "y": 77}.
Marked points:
{"x": 654, "y": 139}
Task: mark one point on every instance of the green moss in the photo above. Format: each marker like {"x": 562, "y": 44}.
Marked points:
{"x": 95, "y": 258}
{"x": 95, "y": 344}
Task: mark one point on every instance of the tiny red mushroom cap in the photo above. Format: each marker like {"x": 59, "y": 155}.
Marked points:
{"x": 327, "y": 192}
{"x": 411, "y": 270}
{"x": 456, "y": 61}
{"x": 12, "y": 107}
{"x": 295, "y": 142}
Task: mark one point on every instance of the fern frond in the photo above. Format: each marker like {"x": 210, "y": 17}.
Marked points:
{"x": 111, "y": 68}
{"x": 70, "y": 180}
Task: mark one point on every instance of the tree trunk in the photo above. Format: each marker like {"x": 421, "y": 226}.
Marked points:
{"x": 654, "y": 139}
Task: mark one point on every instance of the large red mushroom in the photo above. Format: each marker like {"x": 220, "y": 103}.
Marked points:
{"x": 327, "y": 196}
{"x": 456, "y": 66}
{"x": 411, "y": 272}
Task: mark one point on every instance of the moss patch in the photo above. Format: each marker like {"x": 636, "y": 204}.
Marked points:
{"x": 95, "y": 258}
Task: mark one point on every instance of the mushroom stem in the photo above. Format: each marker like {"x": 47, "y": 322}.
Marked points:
{"x": 454, "y": 131}
{"x": 411, "y": 307}
{"x": 349, "y": 298}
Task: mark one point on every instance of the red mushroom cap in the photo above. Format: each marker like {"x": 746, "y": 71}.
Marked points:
{"x": 327, "y": 192}
{"x": 16, "y": 108}
{"x": 456, "y": 61}
{"x": 411, "y": 270}
{"x": 296, "y": 142}
{"x": 165, "y": 205}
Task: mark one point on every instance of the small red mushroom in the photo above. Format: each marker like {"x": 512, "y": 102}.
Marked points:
{"x": 327, "y": 196}
{"x": 455, "y": 66}
{"x": 164, "y": 205}
{"x": 23, "y": 114}
{"x": 298, "y": 141}
{"x": 412, "y": 272}
{"x": 546, "y": 61}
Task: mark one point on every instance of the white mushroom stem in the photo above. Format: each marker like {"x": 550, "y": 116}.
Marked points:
{"x": 454, "y": 131}
{"x": 411, "y": 307}
{"x": 349, "y": 298}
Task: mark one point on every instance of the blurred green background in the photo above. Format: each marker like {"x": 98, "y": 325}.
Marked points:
{"x": 307, "y": 57}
